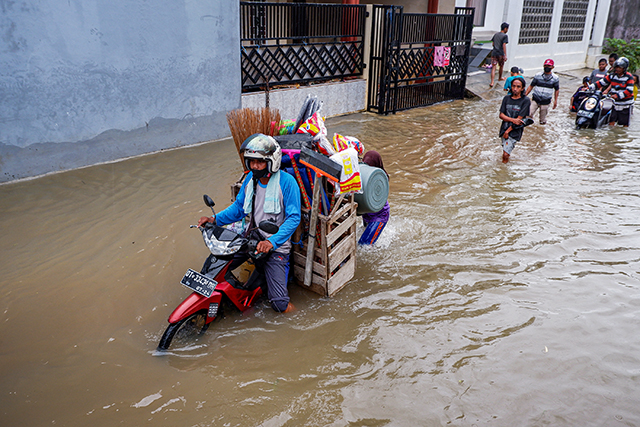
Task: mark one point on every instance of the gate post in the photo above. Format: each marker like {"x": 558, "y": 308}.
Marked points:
{"x": 366, "y": 50}
{"x": 385, "y": 35}
{"x": 393, "y": 58}
{"x": 467, "y": 36}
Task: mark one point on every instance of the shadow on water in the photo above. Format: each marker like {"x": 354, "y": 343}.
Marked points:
{"x": 496, "y": 292}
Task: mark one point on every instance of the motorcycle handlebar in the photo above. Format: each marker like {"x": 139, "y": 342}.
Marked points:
{"x": 259, "y": 255}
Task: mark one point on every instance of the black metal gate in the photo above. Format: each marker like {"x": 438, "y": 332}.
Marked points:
{"x": 417, "y": 59}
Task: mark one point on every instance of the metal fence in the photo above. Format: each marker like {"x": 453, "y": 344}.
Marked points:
{"x": 417, "y": 59}
{"x": 289, "y": 43}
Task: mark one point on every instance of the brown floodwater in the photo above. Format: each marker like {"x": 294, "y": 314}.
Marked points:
{"x": 497, "y": 294}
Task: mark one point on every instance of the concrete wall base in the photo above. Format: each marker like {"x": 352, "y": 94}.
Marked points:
{"x": 43, "y": 158}
{"x": 594, "y": 54}
{"x": 160, "y": 134}
{"x": 338, "y": 98}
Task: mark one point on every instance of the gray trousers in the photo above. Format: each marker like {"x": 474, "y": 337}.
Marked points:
{"x": 276, "y": 271}
{"x": 544, "y": 109}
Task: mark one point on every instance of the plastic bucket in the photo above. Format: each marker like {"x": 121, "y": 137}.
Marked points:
{"x": 375, "y": 189}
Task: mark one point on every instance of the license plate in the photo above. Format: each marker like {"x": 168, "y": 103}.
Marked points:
{"x": 583, "y": 113}
{"x": 199, "y": 283}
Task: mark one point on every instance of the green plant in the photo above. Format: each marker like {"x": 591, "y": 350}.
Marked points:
{"x": 629, "y": 49}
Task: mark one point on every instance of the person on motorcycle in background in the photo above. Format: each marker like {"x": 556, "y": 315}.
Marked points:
{"x": 612, "y": 60}
{"x": 266, "y": 194}
{"x": 580, "y": 95}
{"x": 621, "y": 90}
{"x": 600, "y": 72}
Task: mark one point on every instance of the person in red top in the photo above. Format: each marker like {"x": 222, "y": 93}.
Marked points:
{"x": 621, "y": 90}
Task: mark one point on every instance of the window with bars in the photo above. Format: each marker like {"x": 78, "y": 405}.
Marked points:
{"x": 574, "y": 17}
{"x": 536, "y": 21}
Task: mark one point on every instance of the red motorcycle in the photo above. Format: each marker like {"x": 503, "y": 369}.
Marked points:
{"x": 216, "y": 283}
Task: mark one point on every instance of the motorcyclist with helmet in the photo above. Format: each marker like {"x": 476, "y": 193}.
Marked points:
{"x": 266, "y": 194}
{"x": 621, "y": 91}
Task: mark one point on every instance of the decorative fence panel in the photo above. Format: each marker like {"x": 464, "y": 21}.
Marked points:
{"x": 289, "y": 43}
{"x": 417, "y": 59}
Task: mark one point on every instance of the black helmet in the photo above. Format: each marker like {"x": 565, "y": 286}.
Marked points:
{"x": 621, "y": 62}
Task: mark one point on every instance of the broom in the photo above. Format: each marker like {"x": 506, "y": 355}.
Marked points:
{"x": 244, "y": 122}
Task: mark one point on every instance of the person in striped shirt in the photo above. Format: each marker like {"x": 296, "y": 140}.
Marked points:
{"x": 621, "y": 91}
{"x": 545, "y": 87}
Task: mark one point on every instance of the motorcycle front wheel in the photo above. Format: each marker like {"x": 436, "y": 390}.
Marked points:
{"x": 185, "y": 330}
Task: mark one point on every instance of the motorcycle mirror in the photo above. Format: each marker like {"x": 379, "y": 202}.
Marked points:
{"x": 208, "y": 201}
{"x": 268, "y": 227}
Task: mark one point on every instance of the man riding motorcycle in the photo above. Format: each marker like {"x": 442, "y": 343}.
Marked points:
{"x": 266, "y": 194}
{"x": 621, "y": 91}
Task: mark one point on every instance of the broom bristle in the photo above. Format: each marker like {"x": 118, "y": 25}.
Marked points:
{"x": 244, "y": 122}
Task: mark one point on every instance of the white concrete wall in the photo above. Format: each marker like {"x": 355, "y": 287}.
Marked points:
{"x": 567, "y": 55}
{"x": 494, "y": 17}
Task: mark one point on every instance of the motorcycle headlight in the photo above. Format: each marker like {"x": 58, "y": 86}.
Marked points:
{"x": 590, "y": 104}
{"x": 220, "y": 248}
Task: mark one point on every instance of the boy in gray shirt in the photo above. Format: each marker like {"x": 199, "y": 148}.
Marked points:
{"x": 499, "y": 52}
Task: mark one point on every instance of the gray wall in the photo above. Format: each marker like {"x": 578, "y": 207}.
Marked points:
{"x": 87, "y": 81}
{"x": 624, "y": 20}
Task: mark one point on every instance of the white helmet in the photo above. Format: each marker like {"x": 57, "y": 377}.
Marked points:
{"x": 262, "y": 147}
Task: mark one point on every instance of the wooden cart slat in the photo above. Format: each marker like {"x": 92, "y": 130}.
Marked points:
{"x": 340, "y": 252}
{"x": 318, "y": 283}
{"x": 341, "y": 229}
{"x": 318, "y": 268}
{"x": 340, "y": 279}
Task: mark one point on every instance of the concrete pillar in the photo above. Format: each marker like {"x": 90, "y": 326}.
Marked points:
{"x": 555, "y": 21}
{"x": 600, "y": 23}
{"x": 513, "y": 16}
{"x": 594, "y": 53}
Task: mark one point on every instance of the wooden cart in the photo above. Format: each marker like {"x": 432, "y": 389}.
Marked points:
{"x": 334, "y": 261}
{"x": 334, "y": 258}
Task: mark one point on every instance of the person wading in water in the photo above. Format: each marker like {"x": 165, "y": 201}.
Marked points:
{"x": 514, "y": 108}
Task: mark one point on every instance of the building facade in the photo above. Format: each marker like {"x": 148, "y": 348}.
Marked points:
{"x": 571, "y": 32}
{"x": 88, "y": 81}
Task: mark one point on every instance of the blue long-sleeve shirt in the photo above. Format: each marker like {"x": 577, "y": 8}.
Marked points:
{"x": 289, "y": 205}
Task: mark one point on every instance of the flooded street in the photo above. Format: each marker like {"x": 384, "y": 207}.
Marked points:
{"x": 498, "y": 294}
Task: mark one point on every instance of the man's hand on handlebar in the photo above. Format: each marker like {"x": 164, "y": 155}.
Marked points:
{"x": 206, "y": 219}
{"x": 264, "y": 246}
